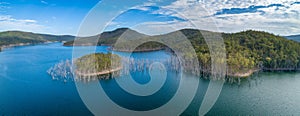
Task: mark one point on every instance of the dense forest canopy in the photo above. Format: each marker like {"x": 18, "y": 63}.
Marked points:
{"x": 251, "y": 50}
{"x": 98, "y": 62}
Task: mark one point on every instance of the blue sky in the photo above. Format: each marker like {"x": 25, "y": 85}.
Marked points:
{"x": 155, "y": 16}
{"x": 47, "y": 16}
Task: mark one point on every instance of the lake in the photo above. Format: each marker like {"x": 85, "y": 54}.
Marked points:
{"x": 27, "y": 89}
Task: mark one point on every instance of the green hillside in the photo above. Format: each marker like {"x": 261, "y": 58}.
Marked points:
{"x": 106, "y": 38}
{"x": 252, "y": 50}
{"x": 17, "y": 37}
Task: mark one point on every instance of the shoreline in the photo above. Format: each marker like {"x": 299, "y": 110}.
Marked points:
{"x": 111, "y": 48}
{"x": 280, "y": 69}
{"x": 252, "y": 71}
{"x": 117, "y": 50}
{"x": 3, "y": 47}
{"x": 138, "y": 51}
{"x": 97, "y": 73}
{"x": 242, "y": 75}
{"x": 80, "y": 45}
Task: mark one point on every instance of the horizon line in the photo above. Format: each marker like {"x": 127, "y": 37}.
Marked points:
{"x": 112, "y": 30}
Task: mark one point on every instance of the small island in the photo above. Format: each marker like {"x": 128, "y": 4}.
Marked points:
{"x": 98, "y": 65}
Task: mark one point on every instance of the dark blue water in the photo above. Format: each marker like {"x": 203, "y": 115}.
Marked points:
{"x": 26, "y": 88}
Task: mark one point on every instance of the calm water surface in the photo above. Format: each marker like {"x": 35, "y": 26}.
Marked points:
{"x": 26, "y": 88}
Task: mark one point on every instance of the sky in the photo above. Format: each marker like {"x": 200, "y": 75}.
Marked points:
{"x": 281, "y": 17}
{"x": 44, "y": 16}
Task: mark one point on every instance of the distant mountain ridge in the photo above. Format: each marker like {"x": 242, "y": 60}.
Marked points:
{"x": 105, "y": 38}
{"x": 19, "y": 37}
{"x": 293, "y": 37}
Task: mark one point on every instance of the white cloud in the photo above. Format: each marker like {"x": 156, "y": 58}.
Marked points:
{"x": 156, "y": 28}
{"x": 221, "y": 4}
{"x": 7, "y": 22}
{"x": 279, "y": 20}
{"x": 142, "y": 8}
{"x": 113, "y": 23}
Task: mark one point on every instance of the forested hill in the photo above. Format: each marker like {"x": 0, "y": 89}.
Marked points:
{"x": 18, "y": 37}
{"x": 251, "y": 50}
{"x": 105, "y": 38}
